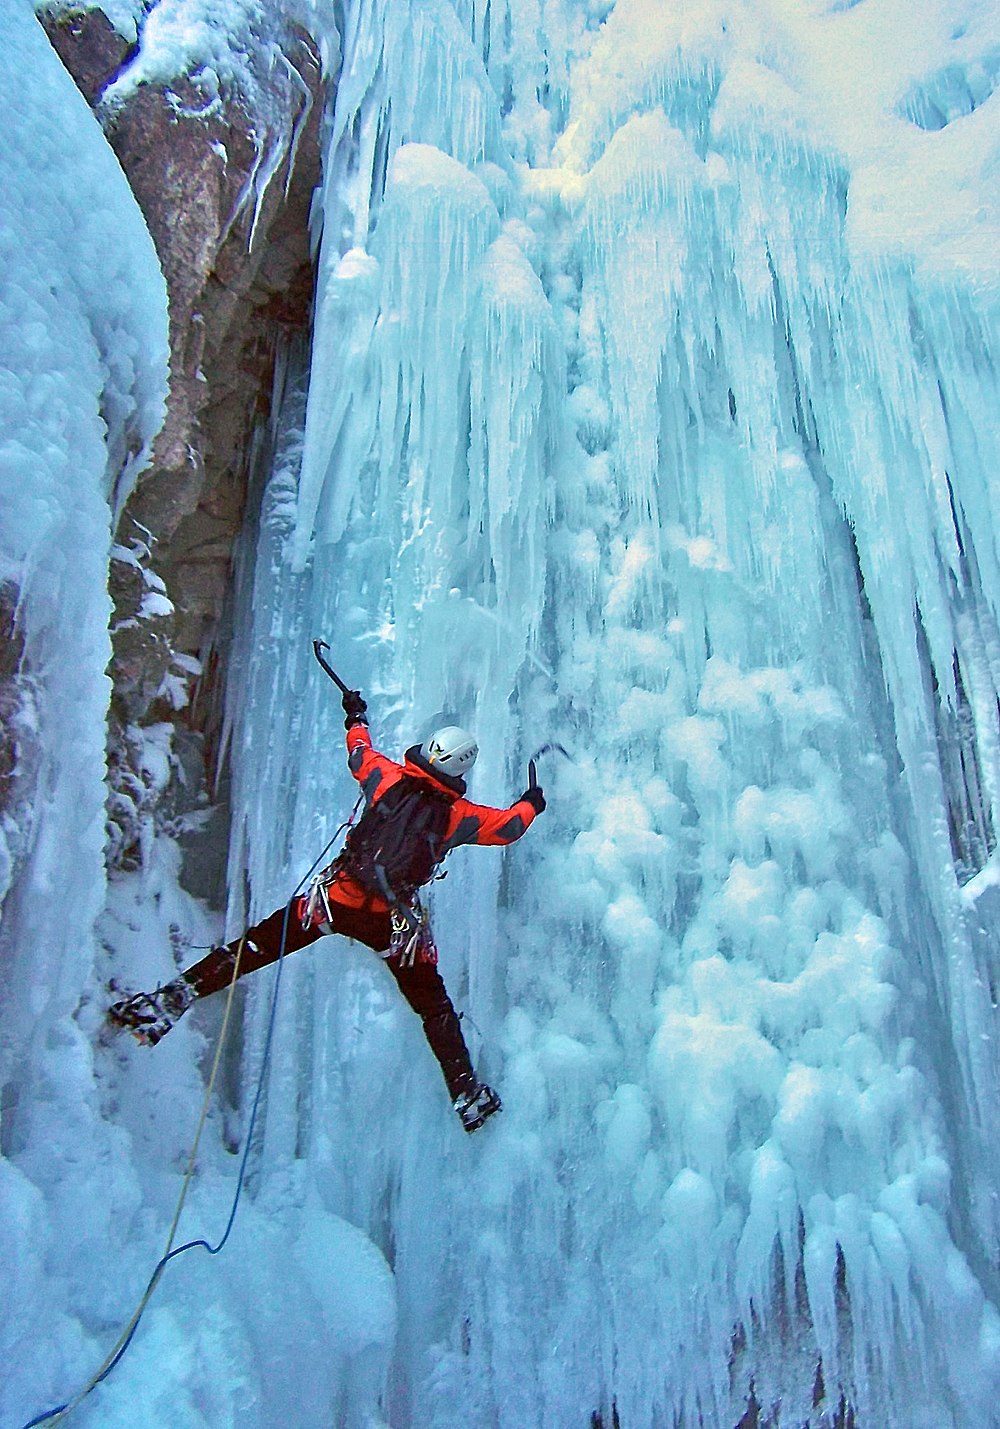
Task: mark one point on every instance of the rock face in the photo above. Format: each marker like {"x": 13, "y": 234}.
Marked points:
{"x": 226, "y": 184}
{"x": 90, "y": 47}
{"x": 239, "y": 275}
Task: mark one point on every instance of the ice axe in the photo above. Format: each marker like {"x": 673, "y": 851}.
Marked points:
{"x": 551, "y": 748}
{"x": 318, "y": 647}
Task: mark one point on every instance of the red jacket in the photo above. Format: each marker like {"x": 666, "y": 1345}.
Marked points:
{"x": 468, "y": 823}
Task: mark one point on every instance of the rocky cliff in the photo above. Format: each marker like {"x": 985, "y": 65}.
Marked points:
{"x": 223, "y": 157}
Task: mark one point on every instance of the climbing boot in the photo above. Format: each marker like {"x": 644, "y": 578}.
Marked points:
{"x": 150, "y": 1015}
{"x": 476, "y": 1104}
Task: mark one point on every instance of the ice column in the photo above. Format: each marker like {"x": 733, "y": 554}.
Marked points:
{"x": 82, "y": 378}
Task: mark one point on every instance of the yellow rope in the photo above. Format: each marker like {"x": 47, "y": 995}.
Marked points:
{"x": 189, "y": 1172}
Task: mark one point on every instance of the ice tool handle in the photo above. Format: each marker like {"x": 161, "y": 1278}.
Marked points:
{"x": 318, "y": 647}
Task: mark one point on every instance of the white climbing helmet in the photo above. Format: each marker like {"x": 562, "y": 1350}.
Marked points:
{"x": 450, "y": 749}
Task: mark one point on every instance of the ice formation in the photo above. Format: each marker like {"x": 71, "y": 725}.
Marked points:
{"x": 651, "y": 409}
{"x": 82, "y": 376}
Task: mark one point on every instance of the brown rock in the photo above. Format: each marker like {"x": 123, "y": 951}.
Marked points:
{"x": 233, "y": 304}
{"x": 229, "y": 306}
{"x": 89, "y": 46}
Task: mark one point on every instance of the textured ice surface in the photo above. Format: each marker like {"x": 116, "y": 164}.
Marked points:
{"x": 663, "y": 430}
{"x": 651, "y": 409}
{"x": 82, "y": 378}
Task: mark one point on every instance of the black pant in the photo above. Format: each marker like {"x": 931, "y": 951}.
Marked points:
{"x": 420, "y": 982}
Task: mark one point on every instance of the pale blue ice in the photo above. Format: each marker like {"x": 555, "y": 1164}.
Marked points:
{"x": 651, "y": 409}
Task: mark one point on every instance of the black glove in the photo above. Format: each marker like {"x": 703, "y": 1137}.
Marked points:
{"x": 354, "y": 709}
{"x": 534, "y": 797}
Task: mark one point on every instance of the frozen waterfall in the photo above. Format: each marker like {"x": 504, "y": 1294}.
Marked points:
{"x": 651, "y": 410}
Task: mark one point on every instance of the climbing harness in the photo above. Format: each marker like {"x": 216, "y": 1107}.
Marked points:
{"x": 412, "y": 940}
{"x": 318, "y": 896}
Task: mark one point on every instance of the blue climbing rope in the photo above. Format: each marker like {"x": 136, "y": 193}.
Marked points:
{"x": 53, "y": 1415}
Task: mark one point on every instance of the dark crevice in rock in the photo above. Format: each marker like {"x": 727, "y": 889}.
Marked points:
{"x": 20, "y": 752}
{"x": 11, "y": 650}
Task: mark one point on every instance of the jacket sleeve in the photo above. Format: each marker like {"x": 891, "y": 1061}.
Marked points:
{"x": 369, "y": 767}
{"x": 480, "y": 824}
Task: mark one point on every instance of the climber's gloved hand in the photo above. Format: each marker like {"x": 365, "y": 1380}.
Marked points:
{"x": 354, "y": 708}
{"x": 534, "y": 797}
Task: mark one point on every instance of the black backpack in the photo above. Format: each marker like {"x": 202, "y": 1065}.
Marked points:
{"x": 397, "y": 843}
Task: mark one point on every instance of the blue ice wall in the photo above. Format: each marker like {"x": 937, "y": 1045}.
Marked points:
{"x": 652, "y": 409}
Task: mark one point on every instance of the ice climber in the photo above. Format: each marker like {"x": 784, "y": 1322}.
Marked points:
{"x": 415, "y": 813}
